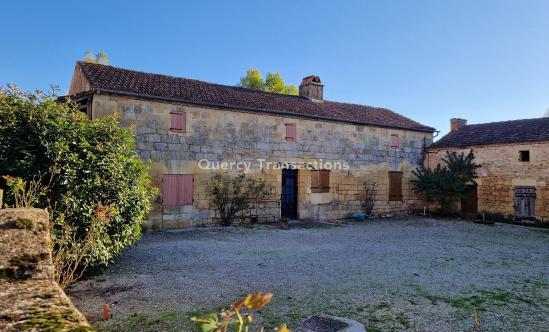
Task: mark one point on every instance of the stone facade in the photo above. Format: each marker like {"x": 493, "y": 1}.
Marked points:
{"x": 226, "y": 135}
{"x": 502, "y": 172}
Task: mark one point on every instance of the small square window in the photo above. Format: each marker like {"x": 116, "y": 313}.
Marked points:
{"x": 320, "y": 181}
{"x": 178, "y": 121}
{"x": 524, "y": 155}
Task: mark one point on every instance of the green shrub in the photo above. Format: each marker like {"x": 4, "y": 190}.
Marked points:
{"x": 234, "y": 195}
{"x": 85, "y": 171}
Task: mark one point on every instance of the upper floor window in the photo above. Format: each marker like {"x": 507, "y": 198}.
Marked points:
{"x": 524, "y": 155}
{"x": 291, "y": 132}
{"x": 395, "y": 186}
{"x": 178, "y": 121}
{"x": 395, "y": 141}
{"x": 320, "y": 181}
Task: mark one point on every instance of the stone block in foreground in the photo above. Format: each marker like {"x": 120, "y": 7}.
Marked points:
{"x": 30, "y": 299}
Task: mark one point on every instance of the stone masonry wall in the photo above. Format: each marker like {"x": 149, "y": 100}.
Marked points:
{"x": 502, "y": 171}
{"x": 223, "y": 135}
{"x": 30, "y": 299}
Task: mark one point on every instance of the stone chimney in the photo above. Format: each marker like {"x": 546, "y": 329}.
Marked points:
{"x": 312, "y": 88}
{"x": 456, "y": 123}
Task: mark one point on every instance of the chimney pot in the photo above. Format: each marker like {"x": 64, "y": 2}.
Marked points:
{"x": 457, "y": 123}
{"x": 311, "y": 87}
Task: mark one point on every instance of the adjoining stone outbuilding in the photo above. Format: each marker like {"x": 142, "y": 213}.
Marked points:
{"x": 182, "y": 125}
{"x": 514, "y": 157}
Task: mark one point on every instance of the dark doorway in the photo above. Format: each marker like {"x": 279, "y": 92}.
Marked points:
{"x": 469, "y": 203}
{"x": 288, "y": 201}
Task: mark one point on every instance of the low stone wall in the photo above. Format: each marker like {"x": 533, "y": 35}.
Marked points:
{"x": 30, "y": 299}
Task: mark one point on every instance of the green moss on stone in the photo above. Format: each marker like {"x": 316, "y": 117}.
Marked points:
{"x": 23, "y": 223}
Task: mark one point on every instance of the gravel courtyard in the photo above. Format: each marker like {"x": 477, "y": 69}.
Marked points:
{"x": 391, "y": 275}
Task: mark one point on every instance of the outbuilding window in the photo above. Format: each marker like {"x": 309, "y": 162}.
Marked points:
{"x": 177, "y": 189}
{"x": 395, "y": 141}
{"x": 524, "y": 155}
{"x": 290, "y": 131}
{"x": 320, "y": 181}
{"x": 395, "y": 186}
{"x": 525, "y": 202}
{"x": 178, "y": 121}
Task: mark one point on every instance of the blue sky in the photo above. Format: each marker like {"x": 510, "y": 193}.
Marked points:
{"x": 429, "y": 60}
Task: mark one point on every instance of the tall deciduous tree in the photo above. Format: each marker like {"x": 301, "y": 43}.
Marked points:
{"x": 273, "y": 82}
{"x": 101, "y": 58}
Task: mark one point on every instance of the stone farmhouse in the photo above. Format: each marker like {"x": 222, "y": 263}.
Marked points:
{"x": 514, "y": 158}
{"x": 188, "y": 128}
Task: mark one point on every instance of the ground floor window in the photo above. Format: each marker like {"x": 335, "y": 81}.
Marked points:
{"x": 395, "y": 186}
{"x": 177, "y": 189}
{"x": 320, "y": 181}
{"x": 525, "y": 202}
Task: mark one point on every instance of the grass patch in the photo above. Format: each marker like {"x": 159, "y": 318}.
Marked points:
{"x": 524, "y": 297}
{"x": 165, "y": 320}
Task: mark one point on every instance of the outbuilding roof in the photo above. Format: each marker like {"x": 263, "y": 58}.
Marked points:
{"x": 515, "y": 131}
{"x": 109, "y": 79}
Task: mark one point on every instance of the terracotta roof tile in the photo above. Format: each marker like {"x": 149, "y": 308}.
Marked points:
{"x": 515, "y": 131}
{"x": 124, "y": 81}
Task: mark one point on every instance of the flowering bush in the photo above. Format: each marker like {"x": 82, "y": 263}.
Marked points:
{"x": 239, "y": 317}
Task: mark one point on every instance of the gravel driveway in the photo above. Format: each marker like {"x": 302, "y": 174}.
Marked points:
{"x": 414, "y": 274}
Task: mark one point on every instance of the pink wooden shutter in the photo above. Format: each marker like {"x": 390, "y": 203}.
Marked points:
{"x": 395, "y": 142}
{"x": 169, "y": 190}
{"x": 178, "y": 121}
{"x": 185, "y": 186}
{"x": 177, "y": 190}
{"x": 290, "y": 131}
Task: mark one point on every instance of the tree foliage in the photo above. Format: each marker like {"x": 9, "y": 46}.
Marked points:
{"x": 87, "y": 171}
{"x": 234, "y": 195}
{"x": 273, "y": 82}
{"x": 101, "y": 58}
{"x": 447, "y": 182}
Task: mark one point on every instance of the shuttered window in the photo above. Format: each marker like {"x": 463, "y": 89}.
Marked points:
{"x": 395, "y": 141}
{"x": 395, "y": 186}
{"x": 320, "y": 181}
{"x": 177, "y": 189}
{"x": 178, "y": 121}
{"x": 291, "y": 131}
{"x": 525, "y": 202}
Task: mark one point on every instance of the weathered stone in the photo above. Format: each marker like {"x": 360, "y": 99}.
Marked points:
{"x": 30, "y": 300}
{"x": 219, "y": 135}
{"x": 502, "y": 172}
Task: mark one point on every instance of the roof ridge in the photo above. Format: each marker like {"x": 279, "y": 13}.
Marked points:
{"x": 505, "y": 121}
{"x": 194, "y": 80}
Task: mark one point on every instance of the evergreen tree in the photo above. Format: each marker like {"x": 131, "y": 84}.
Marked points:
{"x": 447, "y": 182}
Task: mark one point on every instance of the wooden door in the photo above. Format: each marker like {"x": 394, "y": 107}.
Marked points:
{"x": 288, "y": 201}
{"x": 469, "y": 203}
